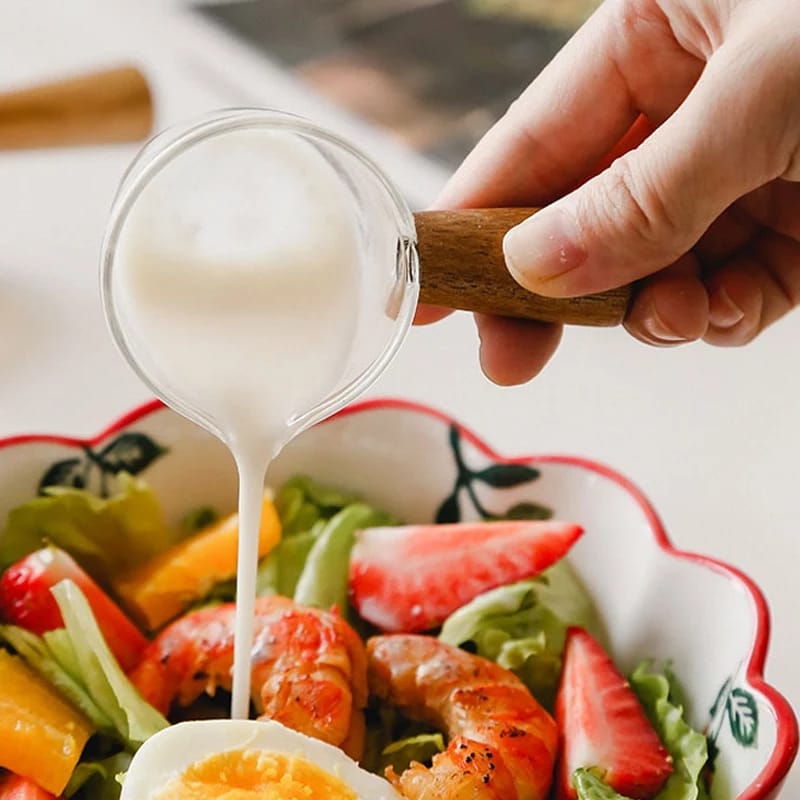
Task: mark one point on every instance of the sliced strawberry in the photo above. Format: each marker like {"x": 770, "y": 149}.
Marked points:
{"x": 603, "y": 726}
{"x": 411, "y": 578}
{"x": 14, "y": 787}
{"x": 26, "y": 601}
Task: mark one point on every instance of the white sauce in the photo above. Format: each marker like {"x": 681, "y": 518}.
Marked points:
{"x": 237, "y": 283}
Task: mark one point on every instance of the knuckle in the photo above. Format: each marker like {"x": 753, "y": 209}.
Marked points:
{"x": 517, "y": 118}
{"x": 628, "y": 201}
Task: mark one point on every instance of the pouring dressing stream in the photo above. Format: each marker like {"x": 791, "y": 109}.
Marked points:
{"x": 252, "y": 277}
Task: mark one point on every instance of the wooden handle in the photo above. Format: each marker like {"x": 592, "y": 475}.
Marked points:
{"x": 461, "y": 266}
{"x": 100, "y": 108}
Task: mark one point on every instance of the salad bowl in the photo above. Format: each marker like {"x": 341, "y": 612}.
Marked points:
{"x": 707, "y": 619}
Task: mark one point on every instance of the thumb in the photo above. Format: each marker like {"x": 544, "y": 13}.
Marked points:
{"x": 652, "y": 204}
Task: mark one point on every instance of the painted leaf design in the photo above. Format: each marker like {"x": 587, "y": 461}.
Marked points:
{"x": 721, "y": 698}
{"x": 528, "y": 511}
{"x": 449, "y": 510}
{"x": 743, "y": 715}
{"x": 498, "y": 476}
{"x": 68, "y": 472}
{"x": 454, "y": 437}
{"x": 129, "y": 452}
{"x": 503, "y": 476}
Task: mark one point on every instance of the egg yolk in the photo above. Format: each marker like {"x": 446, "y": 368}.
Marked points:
{"x": 250, "y": 774}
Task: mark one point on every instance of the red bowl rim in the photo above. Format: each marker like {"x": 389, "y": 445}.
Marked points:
{"x": 768, "y": 782}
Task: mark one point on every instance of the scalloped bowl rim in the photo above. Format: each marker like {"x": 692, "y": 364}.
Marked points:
{"x": 786, "y": 742}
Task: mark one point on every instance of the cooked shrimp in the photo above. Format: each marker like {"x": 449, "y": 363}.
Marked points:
{"x": 309, "y": 667}
{"x": 502, "y": 742}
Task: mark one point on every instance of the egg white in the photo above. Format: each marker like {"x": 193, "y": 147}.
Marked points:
{"x": 171, "y": 751}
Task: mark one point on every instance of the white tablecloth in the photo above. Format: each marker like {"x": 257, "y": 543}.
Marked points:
{"x": 710, "y": 435}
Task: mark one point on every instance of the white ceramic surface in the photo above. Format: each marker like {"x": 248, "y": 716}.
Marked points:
{"x": 707, "y": 618}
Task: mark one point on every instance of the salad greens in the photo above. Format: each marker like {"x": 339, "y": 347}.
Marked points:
{"x": 99, "y": 779}
{"x": 310, "y": 563}
{"x": 394, "y": 741}
{"x": 323, "y": 581}
{"x": 422, "y": 747}
{"x": 38, "y": 655}
{"x": 77, "y": 661}
{"x": 657, "y": 693}
{"x": 134, "y": 719}
{"x": 301, "y": 502}
{"x": 105, "y": 535}
{"x": 523, "y": 626}
{"x": 688, "y": 748}
{"x": 590, "y": 787}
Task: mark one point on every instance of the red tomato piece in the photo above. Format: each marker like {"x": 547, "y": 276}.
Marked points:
{"x": 26, "y": 601}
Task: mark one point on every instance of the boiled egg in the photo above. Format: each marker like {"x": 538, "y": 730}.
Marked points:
{"x": 244, "y": 760}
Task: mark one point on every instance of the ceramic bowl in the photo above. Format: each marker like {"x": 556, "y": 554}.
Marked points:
{"x": 707, "y": 618}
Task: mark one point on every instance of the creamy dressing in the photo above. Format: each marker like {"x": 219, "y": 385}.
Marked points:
{"x": 237, "y": 285}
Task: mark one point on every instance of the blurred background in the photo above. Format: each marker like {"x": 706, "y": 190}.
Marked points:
{"x": 436, "y": 73}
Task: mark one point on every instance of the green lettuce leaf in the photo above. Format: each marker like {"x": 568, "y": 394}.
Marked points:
{"x": 290, "y": 558}
{"x": 394, "y": 741}
{"x": 134, "y": 719}
{"x": 303, "y": 508}
{"x": 422, "y": 748}
{"x": 98, "y": 780}
{"x": 301, "y": 502}
{"x": 65, "y": 679}
{"x": 311, "y": 561}
{"x": 323, "y": 582}
{"x": 105, "y": 536}
{"x": 267, "y": 574}
{"x": 522, "y": 626}
{"x": 688, "y": 748}
{"x": 590, "y": 787}
{"x": 76, "y": 661}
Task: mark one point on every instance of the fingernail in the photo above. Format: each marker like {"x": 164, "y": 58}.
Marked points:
{"x": 544, "y": 247}
{"x": 659, "y": 332}
{"x": 722, "y": 311}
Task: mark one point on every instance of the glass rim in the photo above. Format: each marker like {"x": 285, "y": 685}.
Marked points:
{"x": 150, "y": 160}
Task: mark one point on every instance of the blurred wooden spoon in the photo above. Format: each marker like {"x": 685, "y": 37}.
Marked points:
{"x": 113, "y": 105}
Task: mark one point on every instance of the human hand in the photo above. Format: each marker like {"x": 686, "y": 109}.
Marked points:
{"x": 679, "y": 123}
